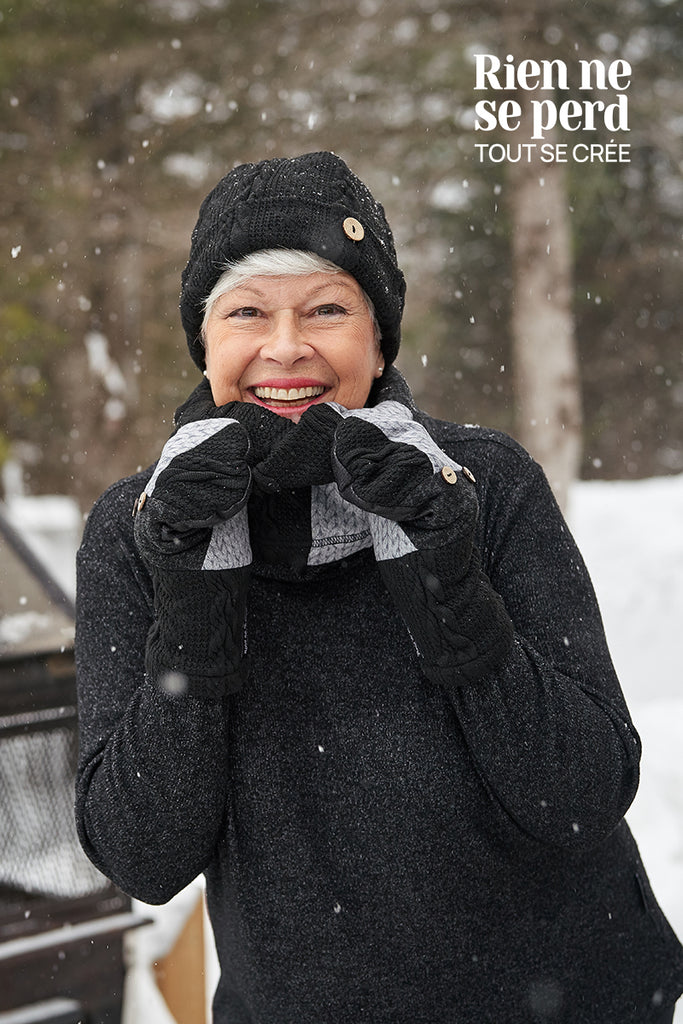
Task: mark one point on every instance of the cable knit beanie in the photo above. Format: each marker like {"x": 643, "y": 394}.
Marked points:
{"x": 312, "y": 202}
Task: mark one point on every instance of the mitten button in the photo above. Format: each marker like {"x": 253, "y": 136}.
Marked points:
{"x": 449, "y": 475}
{"x": 469, "y": 474}
{"x": 139, "y": 502}
{"x": 353, "y": 229}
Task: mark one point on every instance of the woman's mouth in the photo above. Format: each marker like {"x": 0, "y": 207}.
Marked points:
{"x": 284, "y": 400}
{"x": 288, "y": 395}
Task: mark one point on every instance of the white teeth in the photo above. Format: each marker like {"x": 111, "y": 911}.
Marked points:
{"x": 291, "y": 395}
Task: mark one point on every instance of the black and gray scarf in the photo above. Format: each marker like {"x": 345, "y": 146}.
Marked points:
{"x": 298, "y": 521}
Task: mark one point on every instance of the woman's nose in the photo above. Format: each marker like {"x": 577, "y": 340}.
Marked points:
{"x": 286, "y": 342}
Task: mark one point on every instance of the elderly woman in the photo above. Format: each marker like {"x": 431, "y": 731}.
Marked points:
{"x": 345, "y": 659}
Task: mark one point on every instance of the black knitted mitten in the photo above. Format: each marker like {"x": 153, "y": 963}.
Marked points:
{"x": 422, "y": 510}
{"x": 192, "y": 531}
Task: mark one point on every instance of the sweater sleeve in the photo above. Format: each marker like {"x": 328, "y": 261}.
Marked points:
{"x": 152, "y": 779}
{"x": 548, "y": 730}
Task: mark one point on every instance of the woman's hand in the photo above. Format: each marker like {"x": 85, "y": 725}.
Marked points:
{"x": 423, "y": 510}
{"x": 387, "y": 464}
{"x": 265, "y": 428}
{"x": 192, "y": 513}
{"x": 192, "y": 531}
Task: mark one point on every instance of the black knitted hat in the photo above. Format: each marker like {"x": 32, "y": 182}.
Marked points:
{"x": 312, "y": 202}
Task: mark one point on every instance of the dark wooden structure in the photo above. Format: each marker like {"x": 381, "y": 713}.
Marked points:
{"x": 61, "y": 923}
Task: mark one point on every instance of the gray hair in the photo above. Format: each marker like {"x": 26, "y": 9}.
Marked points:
{"x": 276, "y": 263}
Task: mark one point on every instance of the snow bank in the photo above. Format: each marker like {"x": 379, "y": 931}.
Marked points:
{"x": 631, "y": 536}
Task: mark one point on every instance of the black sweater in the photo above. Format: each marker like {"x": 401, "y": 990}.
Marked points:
{"x": 377, "y": 847}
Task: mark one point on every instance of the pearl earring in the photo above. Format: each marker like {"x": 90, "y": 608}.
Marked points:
{"x": 206, "y": 374}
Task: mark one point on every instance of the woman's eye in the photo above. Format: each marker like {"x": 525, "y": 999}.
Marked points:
{"x": 330, "y": 309}
{"x": 244, "y": 311}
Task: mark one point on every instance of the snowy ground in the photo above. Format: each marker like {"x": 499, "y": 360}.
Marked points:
{"x": 631, "y": 536}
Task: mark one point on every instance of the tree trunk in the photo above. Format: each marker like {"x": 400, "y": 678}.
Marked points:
{"x": 547, "y": 389}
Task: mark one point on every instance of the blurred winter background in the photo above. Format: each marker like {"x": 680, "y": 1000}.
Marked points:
{"x": 117, "y": 118}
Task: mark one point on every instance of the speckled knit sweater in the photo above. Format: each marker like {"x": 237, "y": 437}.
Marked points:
{"x": 376, "y": 847}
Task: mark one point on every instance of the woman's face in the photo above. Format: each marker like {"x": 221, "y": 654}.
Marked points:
{"x": 289, "y": 342}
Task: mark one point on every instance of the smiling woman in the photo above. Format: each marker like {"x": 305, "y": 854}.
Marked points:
{"x": 345, "y": 659}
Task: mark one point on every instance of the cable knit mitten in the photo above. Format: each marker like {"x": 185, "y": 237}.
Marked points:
{"x": 192, "y": 532}
{"x": 422, "y": 510}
